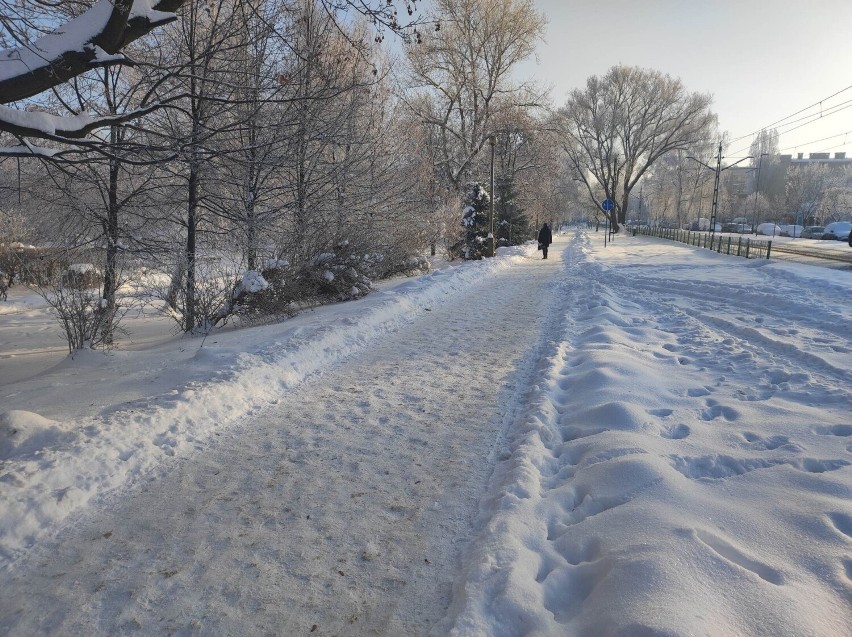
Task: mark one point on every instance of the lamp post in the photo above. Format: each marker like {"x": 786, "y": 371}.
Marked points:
{"x": 491, "y": 141}
{"x": 756, "y": 191}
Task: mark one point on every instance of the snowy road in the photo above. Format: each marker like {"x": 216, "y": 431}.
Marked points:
{"x": 346, "y": 505}
{"x": 643, "y": 439}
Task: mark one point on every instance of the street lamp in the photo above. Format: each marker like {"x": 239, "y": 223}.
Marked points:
{"x": 756, "y": 191}
{"x": 491, "y": 141}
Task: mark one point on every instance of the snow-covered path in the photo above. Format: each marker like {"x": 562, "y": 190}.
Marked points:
{"x": 346, "y": 505}
{"x": 647, "y": 439}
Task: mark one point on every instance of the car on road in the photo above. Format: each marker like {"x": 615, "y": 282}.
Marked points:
{"x": 839, "y": 231}
{"x": 812, "y": 232}
{"x": 769, "y": 229}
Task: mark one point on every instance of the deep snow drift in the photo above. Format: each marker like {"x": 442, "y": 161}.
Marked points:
{"x": 666, "y": 430}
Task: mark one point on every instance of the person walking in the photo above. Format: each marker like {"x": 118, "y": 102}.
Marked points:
{"x": 545, "y": 238}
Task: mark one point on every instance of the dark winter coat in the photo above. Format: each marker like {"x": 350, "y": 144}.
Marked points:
{"x": 544, "y": 236}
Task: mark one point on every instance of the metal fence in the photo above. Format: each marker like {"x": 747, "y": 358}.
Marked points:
{"x": 738, "y": 246}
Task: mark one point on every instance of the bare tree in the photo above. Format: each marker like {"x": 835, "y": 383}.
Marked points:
{"x": 41, "y": 56}
{"x": 810, "y": 192}
{"x": 621, "y": 123}
{"x": 461, "y": 80}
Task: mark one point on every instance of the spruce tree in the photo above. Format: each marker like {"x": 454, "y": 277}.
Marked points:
{"x": 475, "y": 221}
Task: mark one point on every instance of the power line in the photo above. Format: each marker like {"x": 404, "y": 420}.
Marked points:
{"x": 816, "y": 119}
{"x": 817, "y": 141}
{"x": 811, "y": 119}
{"x": 783, "y": 119}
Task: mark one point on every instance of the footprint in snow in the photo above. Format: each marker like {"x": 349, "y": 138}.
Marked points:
{"x": 719, "y": 467}
{"x": 842, "y": 523}
{"x": 730, "y": 553}
{"x": 834, "y": 430}
{"x": 770, "y": 444}
{"x": 697, "y": 392}
{"x": 720, "y": 411}
{"x": 660, "y": 413}
{"x": 677, "y": 432}
{"x": 847, "y": 566}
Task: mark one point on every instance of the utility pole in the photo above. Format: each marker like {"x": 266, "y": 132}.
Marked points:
{"x": 716, "y": 191}
{"x": 718, "y": 170}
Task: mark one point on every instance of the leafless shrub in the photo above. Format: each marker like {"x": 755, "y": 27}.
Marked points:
{"x": 31, "y": 264}
{"x": 88, "y": 320}
{"x": 211, "y": 302}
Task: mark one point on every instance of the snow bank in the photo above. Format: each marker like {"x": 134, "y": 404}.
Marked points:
{"x": 683, "y": 467}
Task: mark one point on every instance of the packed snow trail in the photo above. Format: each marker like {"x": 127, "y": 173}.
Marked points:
{"x": 342, "y": 509}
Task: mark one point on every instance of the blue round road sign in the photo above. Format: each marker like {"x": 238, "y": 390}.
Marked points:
{"x": 607, "y": 205}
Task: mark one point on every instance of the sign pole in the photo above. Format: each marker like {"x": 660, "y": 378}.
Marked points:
{"x": 607, "y": 205}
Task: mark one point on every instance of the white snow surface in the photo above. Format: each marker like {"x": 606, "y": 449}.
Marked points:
{"x": 643, "y": 439}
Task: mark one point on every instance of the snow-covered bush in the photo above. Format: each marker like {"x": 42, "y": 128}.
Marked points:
{"x": 82, "y": 276}
{"x": 264, "y": 293}
{"x": 76, "y": 297}
{"x": 340, "y": 275}
{"x": 88, "y": 321}
{"x": 216, "y": 281}
{"x": 340, "y": 272}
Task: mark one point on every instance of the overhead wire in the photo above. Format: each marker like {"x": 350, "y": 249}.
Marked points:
{"x": 783, "y": 119}
{"x": 836, "y": 109}
{"x": 789, "y": 126}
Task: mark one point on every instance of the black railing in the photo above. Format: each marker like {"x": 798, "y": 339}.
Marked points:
{"x": 738, "y": 246}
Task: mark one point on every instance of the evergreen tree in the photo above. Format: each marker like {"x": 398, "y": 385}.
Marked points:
{"x": 475, "y": 221}
{"x": 512, "y": 224}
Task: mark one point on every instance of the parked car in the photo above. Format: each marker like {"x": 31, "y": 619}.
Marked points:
{"x": 769, "y": 229}
{"x": 703, "y": 225}
{"x": 730, "y": 227}
{"x": 812, "y": 232}
{"x": 839, "y": 231}
{"x": 744, "y": 228}
{"x": 791, "y": 230}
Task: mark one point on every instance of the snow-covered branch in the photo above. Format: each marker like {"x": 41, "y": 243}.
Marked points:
{"x": 54, "y": 127}
{"x": 93, "y": 39}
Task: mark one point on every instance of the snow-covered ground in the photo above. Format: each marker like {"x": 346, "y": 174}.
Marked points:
{"x": 642, "y": 439}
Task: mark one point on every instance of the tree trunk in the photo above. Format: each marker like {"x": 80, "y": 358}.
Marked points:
{"x": 111, "y": 232}
{"x": 189, "y": 255}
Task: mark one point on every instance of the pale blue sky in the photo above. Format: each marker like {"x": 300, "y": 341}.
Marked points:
{"x": 762, "y": 60}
